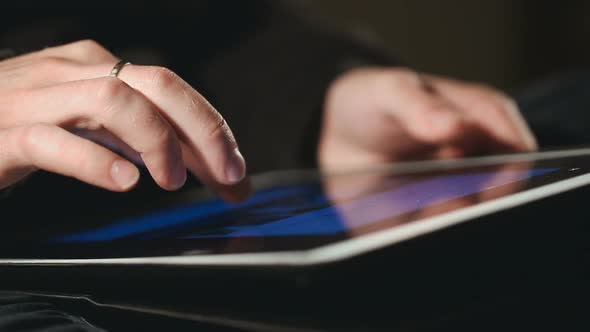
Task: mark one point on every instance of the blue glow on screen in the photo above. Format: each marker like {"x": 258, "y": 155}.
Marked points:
{"x": 172, "y": 217}
{"x": 319, "y": 219}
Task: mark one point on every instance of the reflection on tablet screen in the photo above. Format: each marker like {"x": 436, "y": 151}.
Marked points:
{"x": 303, "y": 210}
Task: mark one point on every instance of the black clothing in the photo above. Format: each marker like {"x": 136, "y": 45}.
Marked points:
{"x": 557, "y": 109}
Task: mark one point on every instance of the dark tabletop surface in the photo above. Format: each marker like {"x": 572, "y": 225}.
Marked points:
{"x": 521, "y": 269}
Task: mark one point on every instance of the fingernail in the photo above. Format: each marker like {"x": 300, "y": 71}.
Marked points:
{"x": 236, "y": 167}
{"x": 179, "y": 177}
{"x": 125, "y": 174}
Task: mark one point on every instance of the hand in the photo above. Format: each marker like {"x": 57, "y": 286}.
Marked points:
{"x": 382, "y": 115}
{"x": 58, "y": 104}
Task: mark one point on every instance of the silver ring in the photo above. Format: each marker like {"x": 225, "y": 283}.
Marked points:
{"x": 118, "y": 67}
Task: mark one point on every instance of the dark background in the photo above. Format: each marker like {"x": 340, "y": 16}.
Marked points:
{"x": 506, "y": 43}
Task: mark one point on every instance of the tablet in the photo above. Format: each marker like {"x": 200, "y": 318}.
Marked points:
{"x": 301, "y": 218}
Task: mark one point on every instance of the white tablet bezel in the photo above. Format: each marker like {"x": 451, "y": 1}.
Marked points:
{"x": 365, "y": 243}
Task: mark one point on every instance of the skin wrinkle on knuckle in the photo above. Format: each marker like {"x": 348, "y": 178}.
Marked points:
{"x": 146, "y": 119}
{"x": 163, "y": 136}
{"x": 50, "y": 64}
{"x": 117, "y": 101}
{"x": 220, "y": 129}
{"x": 163, "y": 78}
{"x": 111, "y": 94}
{"x": 88, "y": 48}
{"x": 87, "y": 44}
{"x": 47, "y": 69}
{"x": 31, "y": 139}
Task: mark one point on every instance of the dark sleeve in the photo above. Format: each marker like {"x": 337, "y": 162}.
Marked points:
{"x": 270, "y": 85}
{"x": 28, "y": 314}
{"x": 558, "y": 109}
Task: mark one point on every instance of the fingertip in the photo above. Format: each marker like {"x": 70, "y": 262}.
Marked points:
{"x": 176, "y": 180}
{"x": 235, "y": 170}
{"x": 531, "y": 144}
{"x": 124, "y": 174}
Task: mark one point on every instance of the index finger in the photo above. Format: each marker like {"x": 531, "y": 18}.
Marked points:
{"x": 195, "y": 120}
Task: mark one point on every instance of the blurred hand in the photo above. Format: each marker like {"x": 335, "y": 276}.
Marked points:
{"x": 59, "y": 111}
{"x": 381, "y": 115}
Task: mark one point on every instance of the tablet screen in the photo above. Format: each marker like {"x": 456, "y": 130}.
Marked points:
{"x": 301, "y": 210}
{"x": 289, "y": 216}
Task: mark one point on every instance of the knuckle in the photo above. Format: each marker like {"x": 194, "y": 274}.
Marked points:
{"x": 87, "y": 46}
{"x": 159, "y": 129}
{"x": 163, "y": 77}
{"x": 163, "y": 136}
{"x": 32, "y": 137}
{"x": 404, "y": 76}
{"x": 219, "y": 128}
{"x": 51, "y": 65}
{"x": 90, "y": 50}
{"x": 110, "y": 95}
{"x": 162, "y": 133}
{"x": 110, "y": 90}
{"x": 160, "y": 138}
{"x": 149, "y": 118}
